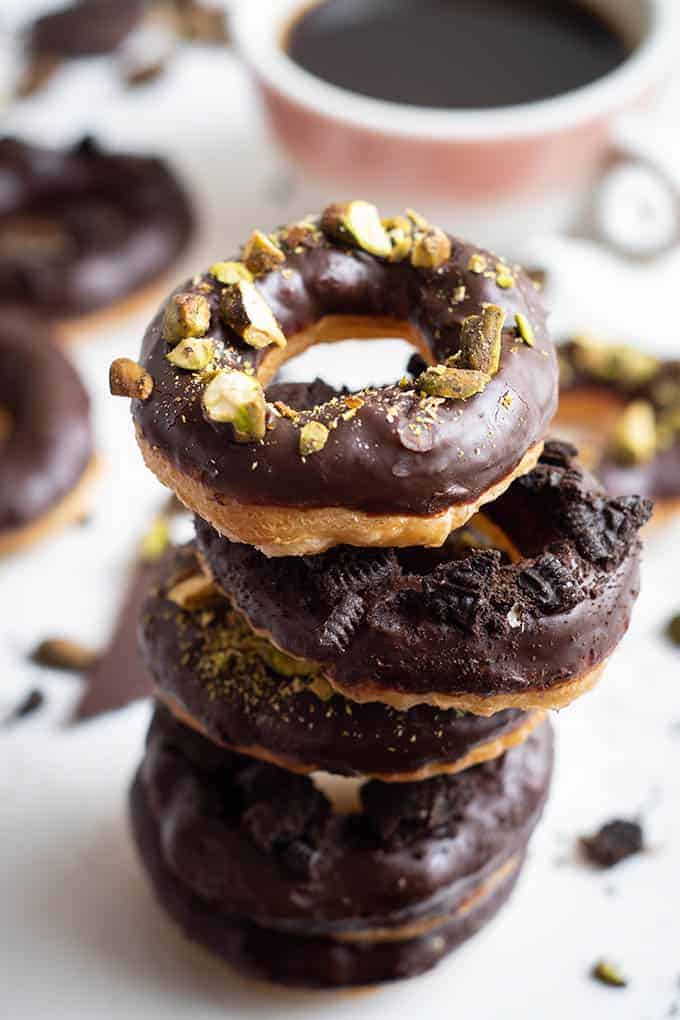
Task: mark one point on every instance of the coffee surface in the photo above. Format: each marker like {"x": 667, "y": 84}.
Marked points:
{"x": 456, "y": 54}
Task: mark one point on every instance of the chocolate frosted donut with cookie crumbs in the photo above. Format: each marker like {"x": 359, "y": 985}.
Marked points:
{"x": 218, "y": 677}
{"x": 392, "y": 466}
{"x": 623, "y": 407}
{"x": 330, "y": 885}
{"x": 478, "y": 629}
{"x": 46, "y": 450}
{"x": 82, "y": 228}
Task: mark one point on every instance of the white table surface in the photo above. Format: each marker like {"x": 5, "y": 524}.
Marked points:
{"x": 81, "y": 935}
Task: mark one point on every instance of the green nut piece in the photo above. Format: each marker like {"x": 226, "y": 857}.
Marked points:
{"x": 155, "y": 541}
{"x": 313, "y": 437}
{"x": 401, "y": 242}
{"x": 192, "y": 354}
{"x": 454, "y": 383}
{"x": 477, "y": 263}
{"x": 261, "y": 255}
{"x": 246, "y": 311}
{"x": 431, "y": 249}
{"x": 357, "y": 223}
{"x": 607, "y": 973}
{"x": 634, "y": 440}
{"x": 186, "y": 315}
{"x": 480, "y": 340}
{"x": 525, "y": 330}
{"x": 238, "y": 399}
{"x": 230, "y": 272}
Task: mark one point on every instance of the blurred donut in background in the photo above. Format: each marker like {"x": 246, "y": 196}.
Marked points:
{"x": 83, "y": 229}
{"x": 622, "y": 407}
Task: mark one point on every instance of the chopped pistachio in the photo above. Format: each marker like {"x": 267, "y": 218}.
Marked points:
{"x": 460, "y": 293}
{"x": 238, "y": 399}
{"x": 230, "y": 272}
{"x": 477, "y": 263}
{"x": 431, "y": 249}
{"x": 297, "y": 236}
{"x": 246, "y": 311}
{"x": 455, "y": 383}
{"x": 504, "y": 278}
{"x": 357, "y": 222}
{"x": 261, "y": 255}
{"x": 186, "y": 315}
{"x": 480, "y": 340}
{"x": 634, "y": 438}
{"x": 506, "y": 400}
{"x": 417, "y": 220}
{"x": 313, "y": 437}
{"x": 155, "y": 541}
{"x": 401, "y": 242}
{"x": 62, "y": 653}
{"x": 128, "y": 379}
{"x": 192, "y": 354}
{"x": 194, "y": 592}
{"x": 285, "y": 410}
{"x": 525, "y": 329}
{"x": 402, "y": 223}
{"x": 609, "y": 974}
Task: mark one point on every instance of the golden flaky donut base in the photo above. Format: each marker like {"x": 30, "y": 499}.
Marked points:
{"x": 483, "y": 752}
{"x": 544, "y": 698}
{"x": 71, "y": 508}
{"x": 299, "y": 531}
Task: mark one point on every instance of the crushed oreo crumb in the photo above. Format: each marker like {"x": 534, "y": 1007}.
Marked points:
{"x": 614, "y": 842}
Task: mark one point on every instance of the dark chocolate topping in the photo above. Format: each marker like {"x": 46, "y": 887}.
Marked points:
{"x": 420, "y": 621}
{"x": 267, "y": 845}
{"x": 85, "y": 28}
{"x": 631, "y": 375}
{"x": 212, "y": 664}
{"x": 398, "y": 452}
{"x": 47, "y": 440}
{"x": 290, "y": 958}
{"x": 81, "y": 228}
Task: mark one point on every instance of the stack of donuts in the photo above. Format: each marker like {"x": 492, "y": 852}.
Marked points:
{"x": 387, "y": 590}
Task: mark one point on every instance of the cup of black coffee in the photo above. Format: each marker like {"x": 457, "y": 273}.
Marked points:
{"x": 495, "y": 116}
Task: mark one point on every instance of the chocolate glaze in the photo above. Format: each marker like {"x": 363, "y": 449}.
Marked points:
{"x": 85, "y": 28}
{"x": 204, "y": 662}
{"x": 417, "y": 622}
{"x": 81, "y": 228}
{"x": 266, "y": 845}
{"x": 286, "y": 957}
{"x": 658, "y": 478}
{"x": 373, "y": 462}
{"x": 49, "y": 441}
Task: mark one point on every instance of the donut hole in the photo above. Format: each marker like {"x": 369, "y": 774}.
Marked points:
{"x": 479, "y": 533}
{"x": 392, "y": 344}
{"x": 350, "y": 363}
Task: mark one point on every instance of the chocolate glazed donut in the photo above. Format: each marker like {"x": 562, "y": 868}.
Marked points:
{"x": 82, "y": 228}
{"x": 478, "y": 634}
{"x": 46, "y": 452}
{"x": 267, "y": 850}
{"x": 399, "y": 465}
{"x": 624, "y": 406}
{"x": 240, "y": 692}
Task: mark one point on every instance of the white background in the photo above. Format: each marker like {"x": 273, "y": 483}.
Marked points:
{"x": 81, "y": 935}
